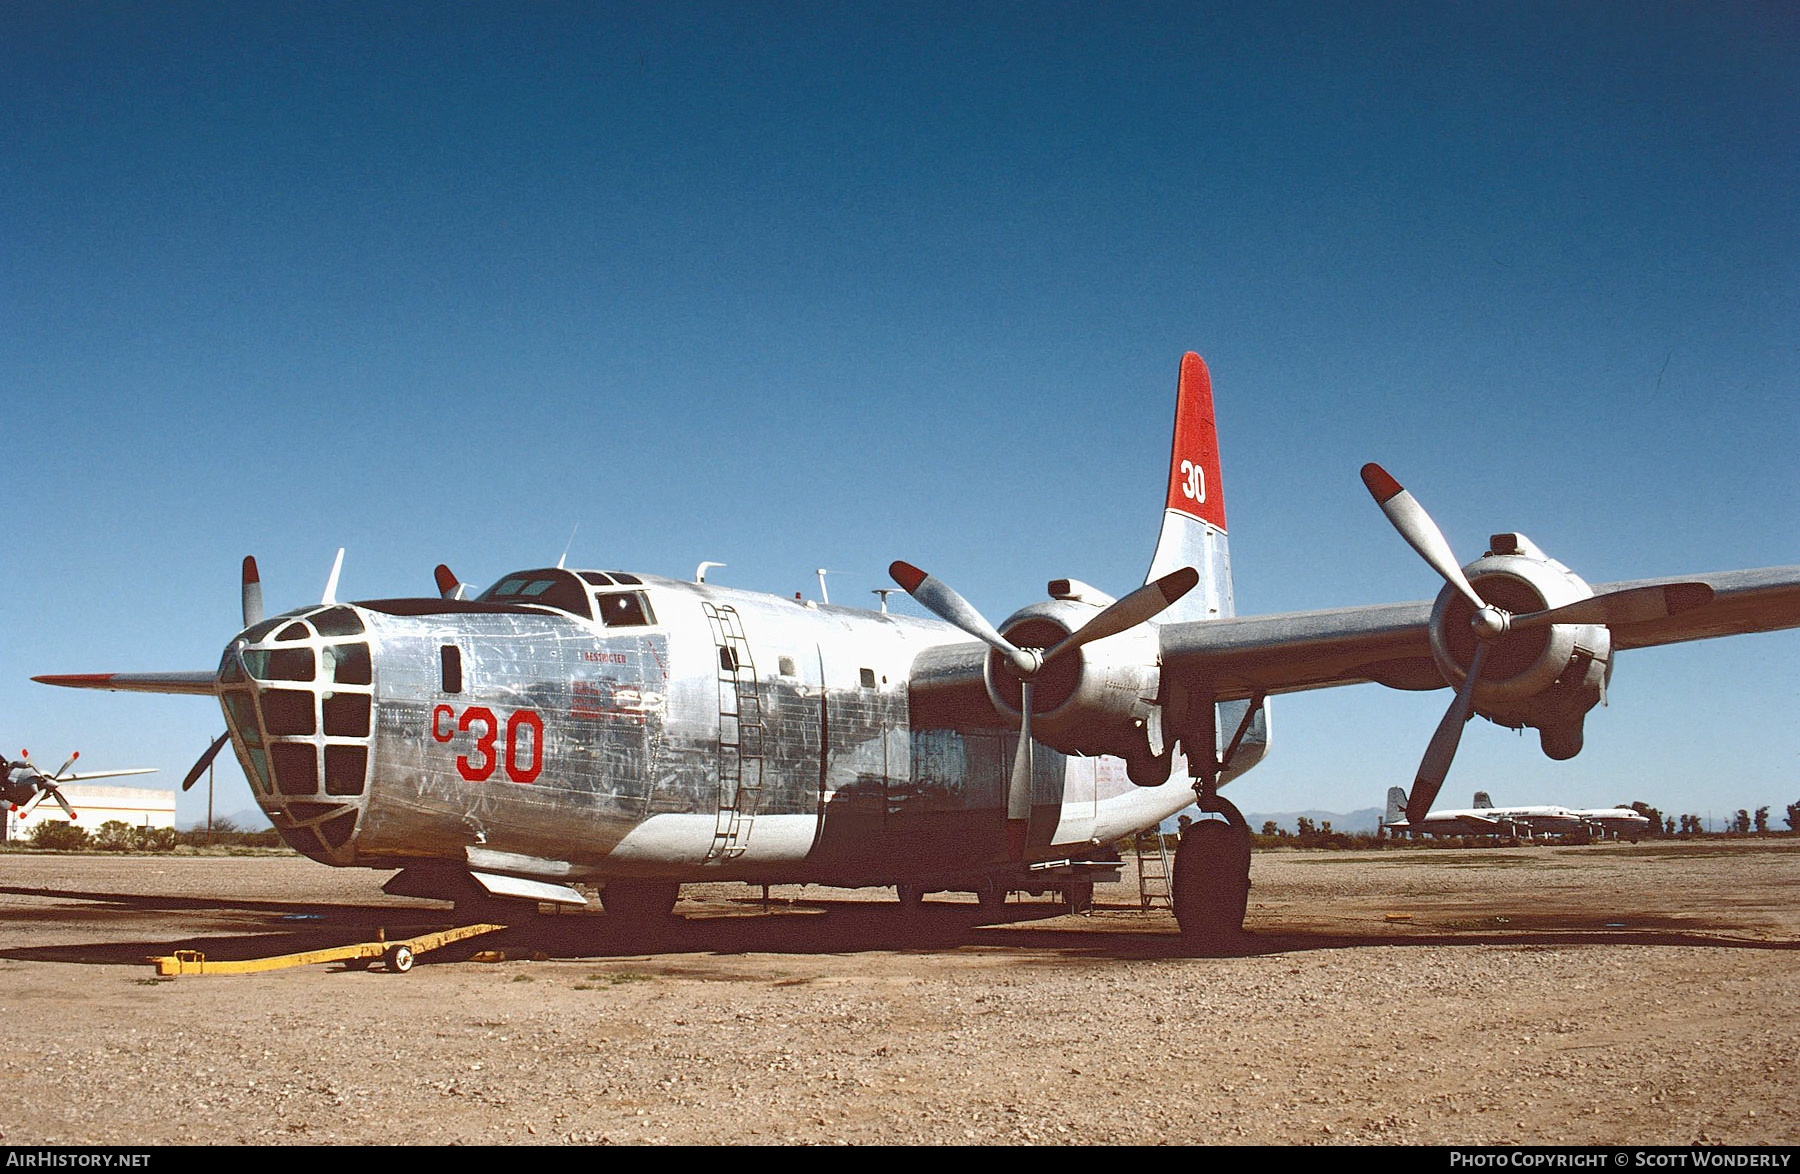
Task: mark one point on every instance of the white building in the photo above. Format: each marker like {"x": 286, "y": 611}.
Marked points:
{"x": 96, "y": 804}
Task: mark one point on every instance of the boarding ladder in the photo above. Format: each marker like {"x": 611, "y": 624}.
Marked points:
{"x": 740, "y": 735}
{"x": 1152, "y": 870}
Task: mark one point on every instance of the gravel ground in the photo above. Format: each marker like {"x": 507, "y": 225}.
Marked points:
{"x": 1593, "y": 995}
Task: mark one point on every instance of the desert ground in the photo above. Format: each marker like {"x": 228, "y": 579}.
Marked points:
{"x": 1602, "y": 994}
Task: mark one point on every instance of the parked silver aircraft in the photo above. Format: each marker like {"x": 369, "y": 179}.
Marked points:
{"x": 23, "y": 786}
{"x": 1484, "y": 819}
{"x": 634, "y": 732}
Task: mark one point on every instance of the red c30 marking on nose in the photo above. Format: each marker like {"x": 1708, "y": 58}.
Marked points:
{"x": 481, "y": 767}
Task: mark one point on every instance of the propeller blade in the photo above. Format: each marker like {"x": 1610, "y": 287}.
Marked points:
{"x": 938, "y": 598}
{"x": 253, "y": 607}
{"x": 1634, "y": 605}
{"x": 448, "y": 585}
{"x": 1416, "y": 526}
{"x": 337, "y": 565}
{"x": 1018, "y": 791}
{"x": 31, "y": 804}
{"x": 56, "y": 794}
{"x": 65, "y": 766}
{"x": 212, "y": 752}
{"x": 1146, "y": 603}
{"x": 1436, "y": 764}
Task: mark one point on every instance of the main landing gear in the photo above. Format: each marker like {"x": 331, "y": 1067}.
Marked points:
{"x": 1212, "y": 876}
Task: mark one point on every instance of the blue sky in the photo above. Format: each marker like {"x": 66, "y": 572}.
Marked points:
{"x": 790, "y": 286}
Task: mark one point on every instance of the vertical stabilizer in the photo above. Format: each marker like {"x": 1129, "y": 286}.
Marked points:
{"x": 1193, "y": 526}
{"x": 1193, "y": 535}
{"x": 1396, "y": 807}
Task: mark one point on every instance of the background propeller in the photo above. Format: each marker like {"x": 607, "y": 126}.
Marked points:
{"x": 1028, "y": 664}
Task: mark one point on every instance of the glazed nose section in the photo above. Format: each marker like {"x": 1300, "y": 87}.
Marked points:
{"x": 299, "y": 693}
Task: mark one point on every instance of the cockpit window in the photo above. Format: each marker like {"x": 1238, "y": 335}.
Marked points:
{"x": 553, "y": 587}
{"x": 339, "y": 621}
{"x": 624, "y": 609}
{"x": 597, "y": 578}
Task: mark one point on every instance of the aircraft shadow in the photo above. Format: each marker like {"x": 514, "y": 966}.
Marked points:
{"x": 257, "y": 929}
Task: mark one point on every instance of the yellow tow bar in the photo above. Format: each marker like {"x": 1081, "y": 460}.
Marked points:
{"x": 396, "y": 956}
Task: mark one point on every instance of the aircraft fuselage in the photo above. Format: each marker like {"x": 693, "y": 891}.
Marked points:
{"x": 600, "y": 725}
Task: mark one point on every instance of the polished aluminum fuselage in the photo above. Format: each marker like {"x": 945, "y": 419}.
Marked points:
{"x": 731, "y": 734}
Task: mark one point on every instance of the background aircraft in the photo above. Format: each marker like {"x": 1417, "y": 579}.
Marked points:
{"x": 1484, "y": 819}
{"x": 23, "y": 786}
{"x": 637, "y": 732}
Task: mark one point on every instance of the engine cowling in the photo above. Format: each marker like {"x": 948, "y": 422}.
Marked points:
{"x": 1097, "y": 699}
{"x": 1548, "y": 677}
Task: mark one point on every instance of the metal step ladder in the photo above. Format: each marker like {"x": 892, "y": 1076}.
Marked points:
{"x": 740, "y": 735}
{"x": 1153, "y": 870}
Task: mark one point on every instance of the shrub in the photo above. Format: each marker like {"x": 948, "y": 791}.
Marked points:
{"x": 58, "y": 836}
{"x": 113, "y": 836}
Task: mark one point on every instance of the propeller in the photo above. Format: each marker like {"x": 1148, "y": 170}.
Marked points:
{"x": 46, "y": 784}
{"x": 1028, "y": 664}
{"x": 212, "y": 752}
{"x": 448, "y": 585}
{"x": 1489, "y": 623}
{"x": 253, "y": 607}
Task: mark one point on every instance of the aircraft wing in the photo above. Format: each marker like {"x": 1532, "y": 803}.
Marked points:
{"x": 1743, "y": 601}
{"x": 1241, "y": 657}
{"x": 205, "y": 684}
{"x": 1389, "y": 644}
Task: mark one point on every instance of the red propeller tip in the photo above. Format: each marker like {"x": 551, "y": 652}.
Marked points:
{"x": 907, "y": 575}
{"x": 250, "y": 575}
{"x": 446, "y": 578}
{"x": 1382, "y": 486}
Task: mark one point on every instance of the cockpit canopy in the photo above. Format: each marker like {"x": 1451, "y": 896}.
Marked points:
{"x": 576, "y": 594}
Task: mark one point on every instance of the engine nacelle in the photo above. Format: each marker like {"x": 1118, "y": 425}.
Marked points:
{"x": 1546, "y": 677}
{"x": 1097, "y": 699}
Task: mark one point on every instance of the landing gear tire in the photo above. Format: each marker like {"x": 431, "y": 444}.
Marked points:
{"x": 911, "y": 896}
{"x": 1078, "y": 896}
{"x": 991, "y": 896}
{"x": 1212, "y": 881}
{"x": 640, "y": 900}
{"x": 398, "y": 959}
